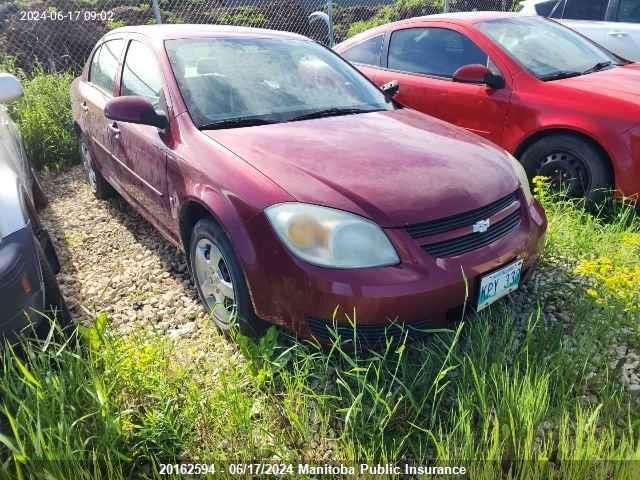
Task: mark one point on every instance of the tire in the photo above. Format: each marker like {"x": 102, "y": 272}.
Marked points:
{"x": 54, "y": 303}
{"x": 99, "y": 186}
{"x": 219, "y": 280}
{"x": 572, "y": 163}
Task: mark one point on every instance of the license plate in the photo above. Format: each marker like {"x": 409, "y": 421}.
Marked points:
{"x": 498, "y": 284}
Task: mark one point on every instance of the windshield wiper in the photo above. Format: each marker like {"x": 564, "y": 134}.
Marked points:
{"x": 236, "y": 123}
{"x": 597, "y": 67}
{"x": 560, "y": 75}
{"x": 333, "y": 112}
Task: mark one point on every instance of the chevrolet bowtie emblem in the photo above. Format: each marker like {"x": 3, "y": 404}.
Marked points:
{"x": 481, "y": 226}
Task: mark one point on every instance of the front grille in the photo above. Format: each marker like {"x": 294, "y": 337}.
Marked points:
{"x": 466, "y": 243}
{"x": 463, "y": 220}
{"x": 371, "y": 334}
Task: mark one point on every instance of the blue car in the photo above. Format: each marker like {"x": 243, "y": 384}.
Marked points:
{"x": 28, "y": 261}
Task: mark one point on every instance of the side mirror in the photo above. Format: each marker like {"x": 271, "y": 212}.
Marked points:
{"x": 478, "y": 74}
{"x": 10, "y": 88}
{"x": 133, "y": 109}
{"x": 391, "y": 89}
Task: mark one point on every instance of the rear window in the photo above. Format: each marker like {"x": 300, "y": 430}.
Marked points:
{"x": 367, "y": 52}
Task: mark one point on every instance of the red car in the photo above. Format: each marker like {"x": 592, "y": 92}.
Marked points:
{"x": 565, "y": 107}
{"x": 295, "y": 186}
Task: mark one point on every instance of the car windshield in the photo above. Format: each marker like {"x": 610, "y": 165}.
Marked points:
{"x": 232, "y": 82}
{"x": 548, "y": 50}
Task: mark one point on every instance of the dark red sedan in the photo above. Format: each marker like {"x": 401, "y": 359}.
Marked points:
{"x": 295, "y": 186}
{"x": 564, "y": 106}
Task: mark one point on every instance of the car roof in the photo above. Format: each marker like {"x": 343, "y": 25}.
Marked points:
{"x": 465, "y": 18}
{"x": 174, "y": 31}
{"x": 462, "y": 17}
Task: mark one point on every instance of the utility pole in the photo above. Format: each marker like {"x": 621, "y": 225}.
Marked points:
{"x": 156, "y": 11}
{"x": 330, "y": 24}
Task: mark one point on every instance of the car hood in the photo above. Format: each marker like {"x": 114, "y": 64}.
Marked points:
{"x": 396, "y": 167}
{"x": 620, "y": 83}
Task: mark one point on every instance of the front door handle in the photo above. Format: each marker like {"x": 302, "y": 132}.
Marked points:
{"x": 114, "y": 129}
{"x": 618, "y": 34}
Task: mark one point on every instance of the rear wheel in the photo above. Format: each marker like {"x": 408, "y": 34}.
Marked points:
{"x": 574, "y": 166}
{"x": 99, "y": 186}
{"x": 219, "y": 280}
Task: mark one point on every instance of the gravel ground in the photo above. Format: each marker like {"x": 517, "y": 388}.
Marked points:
{"x": 113, "y": 261}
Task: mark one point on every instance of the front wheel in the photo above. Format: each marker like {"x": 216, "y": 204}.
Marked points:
{"x": 573, "y": 165}
{"x": 219, "y": 280}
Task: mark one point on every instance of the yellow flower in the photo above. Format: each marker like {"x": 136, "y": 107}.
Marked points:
{"x": 613, "y": 282}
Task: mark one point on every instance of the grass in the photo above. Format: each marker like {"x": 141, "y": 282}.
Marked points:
{"x": 44, "y": 117}
{"x": 539, "y": 401}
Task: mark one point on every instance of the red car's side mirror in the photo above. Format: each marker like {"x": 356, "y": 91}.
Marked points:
{"x": 478, "y": 74}
{"x": 132, "y": 109}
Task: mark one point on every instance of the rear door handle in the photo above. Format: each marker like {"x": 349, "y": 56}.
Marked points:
{"x": 114, "y": 129}
{"x": 84, "y": 107}
{"x": 617, "y": 34}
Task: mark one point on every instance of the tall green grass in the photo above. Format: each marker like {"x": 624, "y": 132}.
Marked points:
{"x": 44, "y": 117}
{"x": 503, "y": 399}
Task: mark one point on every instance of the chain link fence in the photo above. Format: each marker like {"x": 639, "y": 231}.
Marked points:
{"x": 59, "y": 34}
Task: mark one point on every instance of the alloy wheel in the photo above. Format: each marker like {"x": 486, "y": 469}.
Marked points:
{"x": 215, "y": 282}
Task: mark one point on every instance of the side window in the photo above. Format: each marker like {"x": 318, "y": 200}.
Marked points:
{"x": 629, "y": 11}
{"x": 581, "y": 10}
{"x": 94, "y": 69}
{"x": 105, "y": 64}
{"x": 141, "y": 75}
{"x": 367, "y": 52}
{"x": 432, "y": 51}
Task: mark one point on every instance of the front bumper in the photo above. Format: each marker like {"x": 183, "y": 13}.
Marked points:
{"x": 422, "y": 291}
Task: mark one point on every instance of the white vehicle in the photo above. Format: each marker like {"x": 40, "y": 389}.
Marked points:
{"x": 614, "y": 24}
{"x": 28, "y": 261}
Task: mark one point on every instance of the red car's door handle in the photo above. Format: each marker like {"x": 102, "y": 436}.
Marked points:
{"x": 114, "y": 129}
{"x": 84, "y": 107}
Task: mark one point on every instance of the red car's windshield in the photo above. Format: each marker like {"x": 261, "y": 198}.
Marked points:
{"x": 548, "y": 50}
{"x": 229, "y": 82}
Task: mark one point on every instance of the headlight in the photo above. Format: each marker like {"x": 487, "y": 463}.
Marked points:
{"x": 331, "y": 238}
{"x": 522, "y": 176}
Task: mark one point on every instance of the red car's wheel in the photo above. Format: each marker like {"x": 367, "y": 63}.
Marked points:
{"x": 574, "y": 166}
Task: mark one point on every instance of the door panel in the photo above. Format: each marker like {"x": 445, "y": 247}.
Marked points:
{"x": 94, "y": 95}
{"x": 621, "y": 38}
{"x": 477, "y": 108}
{"x": 421, "y": 93}
{"x": 433, "y": 55}
{"x": 141, "y": 149}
